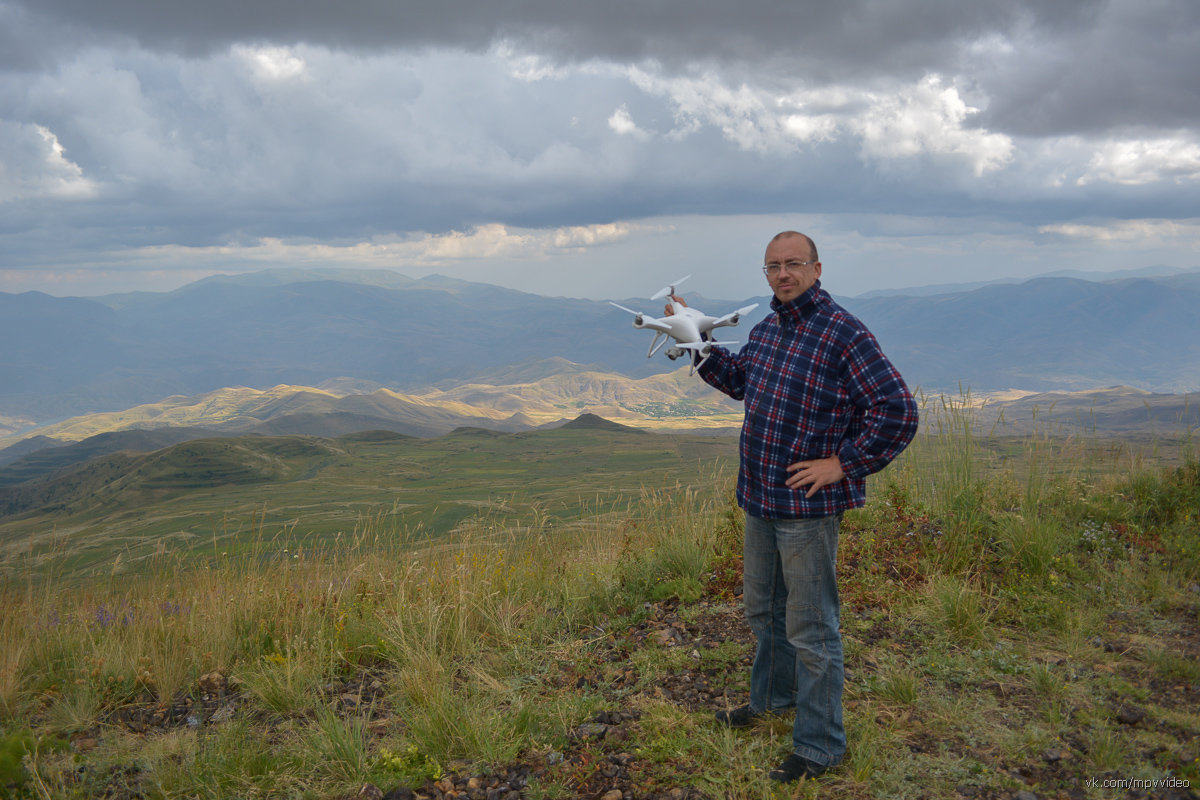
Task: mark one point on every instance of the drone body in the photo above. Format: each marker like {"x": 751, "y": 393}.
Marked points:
{"x": 689, "y": 327}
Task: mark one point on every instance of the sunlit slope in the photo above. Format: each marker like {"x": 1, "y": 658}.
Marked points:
{"x": 222, "y": 495}
{"x": 656, "y": 401}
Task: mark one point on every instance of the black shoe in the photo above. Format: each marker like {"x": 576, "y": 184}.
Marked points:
{"x": 795, "y": 767}
{"x": 739, "y": 717}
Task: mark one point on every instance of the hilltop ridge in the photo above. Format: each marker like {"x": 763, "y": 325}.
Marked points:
{"x": 597, "y": 423}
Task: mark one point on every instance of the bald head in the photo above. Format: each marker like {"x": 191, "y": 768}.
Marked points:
{"x": 812, "y": 247}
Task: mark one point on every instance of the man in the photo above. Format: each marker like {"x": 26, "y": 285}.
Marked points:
{"x": 823, "y": 409}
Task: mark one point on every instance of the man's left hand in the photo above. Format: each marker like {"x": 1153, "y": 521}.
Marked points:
{"x": 815, "y": 474}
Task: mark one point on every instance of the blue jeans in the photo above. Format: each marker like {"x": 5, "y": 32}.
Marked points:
{"x": 791, "y": 598}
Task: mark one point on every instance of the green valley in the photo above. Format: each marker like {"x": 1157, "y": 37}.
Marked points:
{"x": 220, "y": 497}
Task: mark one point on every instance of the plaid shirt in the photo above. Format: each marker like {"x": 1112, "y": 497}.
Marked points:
{"x": 815, "y": 384}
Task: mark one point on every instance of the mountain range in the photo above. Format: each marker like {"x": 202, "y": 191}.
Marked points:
{"x": 1046, "y": 334}
{"x": 66, "y": 356}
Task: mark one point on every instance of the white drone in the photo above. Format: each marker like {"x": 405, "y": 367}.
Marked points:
{"x": 686, "y": 325}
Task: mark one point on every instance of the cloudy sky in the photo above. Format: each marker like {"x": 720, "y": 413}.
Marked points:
{"x": 595, "y": 149}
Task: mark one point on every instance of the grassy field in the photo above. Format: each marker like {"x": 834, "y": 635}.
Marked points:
{"x": 1022, "y": 618}
{"x": 228, "y": 497}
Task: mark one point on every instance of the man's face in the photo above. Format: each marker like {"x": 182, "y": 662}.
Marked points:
{"x": 788, "y": 283}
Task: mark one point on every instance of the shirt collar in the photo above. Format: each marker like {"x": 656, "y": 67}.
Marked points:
{"x": 796, "y": 310}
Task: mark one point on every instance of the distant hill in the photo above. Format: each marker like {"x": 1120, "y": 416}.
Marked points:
{"x": 596, "y": 423}
{"x": 24, "y": 462}
{"x": 24, "y": 447}
{"x": 68, "y": 356}
{"x": 954, "y": 288}
{"x": 124, "y": 479}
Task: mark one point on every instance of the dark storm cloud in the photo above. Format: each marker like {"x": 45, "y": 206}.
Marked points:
{"x": 847, "y": 39}
{"x": 1059, "y": 66}
{"x": 850, "y": 32}
{"x": 28, "y": 40}
{"x": 1135, "y": 66}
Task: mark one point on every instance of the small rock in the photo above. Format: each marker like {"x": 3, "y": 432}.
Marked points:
{"x": 370, "y": 791}
{"x": 1025, "y": 794}
{"x": 591, "y": 730}
{"x": 612, "y": 794}
{"x": 666, "y": 637}
{"x": 213, "y": 682}
{"x": 1129, "y": 715}
{"x": 380, "y": 727}
{"x": 1053, "y": 755}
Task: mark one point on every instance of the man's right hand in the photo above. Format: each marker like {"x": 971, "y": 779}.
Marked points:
{"x": 669, "y": 309}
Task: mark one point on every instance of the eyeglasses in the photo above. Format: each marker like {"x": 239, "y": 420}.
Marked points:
{"x": 771, "y": 270}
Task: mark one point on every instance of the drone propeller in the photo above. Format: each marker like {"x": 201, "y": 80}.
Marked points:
{"x": 637, "y": 314}
{"x": 666, "y": 290}
{"x": 733, "y": 317}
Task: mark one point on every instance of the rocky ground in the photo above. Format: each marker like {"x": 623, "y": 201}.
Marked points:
{"x": 595, "y": 763}
{"x": 600, "y": 761}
